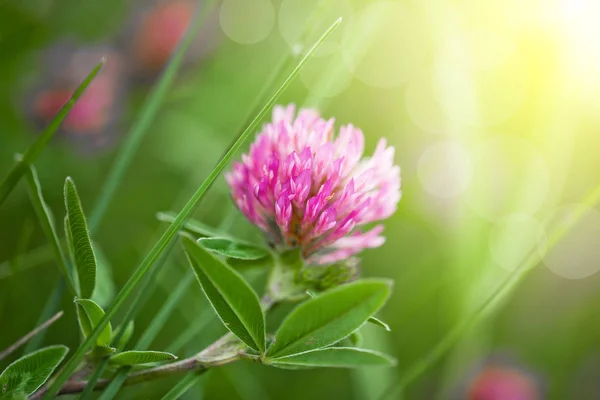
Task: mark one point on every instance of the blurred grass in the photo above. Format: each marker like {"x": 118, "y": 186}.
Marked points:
{"x": 437, "y": 249}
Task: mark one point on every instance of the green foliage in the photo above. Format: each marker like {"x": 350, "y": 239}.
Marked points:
{"x": 372, "y": 320}
{"x": 326, "y": 319}
{"x": 135, "y": 357}
{"x": 89, "y": 316}
{"x": 232, "y": 298}
{"x": 233, "y": 249}
{"x": 334, "y": 357}
{"x": 79, "y": 241}
{"x": 166, "y": 239}
{"x": 42, "y": 140}
{"x": 29, "y": 372}
{"x": 145, "y": 117}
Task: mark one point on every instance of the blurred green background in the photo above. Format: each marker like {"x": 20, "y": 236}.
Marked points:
{"x": 492, "y": 107}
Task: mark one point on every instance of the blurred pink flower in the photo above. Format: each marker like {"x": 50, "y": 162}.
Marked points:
{"x": 503, "y": 383}
{"x": 304, "y": 186}
{"x": 160, "y": 32}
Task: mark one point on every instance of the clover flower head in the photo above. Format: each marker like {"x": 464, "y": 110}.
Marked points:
{"x": 306, "y": 186}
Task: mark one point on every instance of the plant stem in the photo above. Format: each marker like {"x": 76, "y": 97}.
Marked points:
{"x": 31, "y": 334}
{"x": 196, "y": 363}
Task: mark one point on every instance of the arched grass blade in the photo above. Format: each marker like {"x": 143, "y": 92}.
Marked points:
{"x": 172, "y": 230}
{"x": 47, "y": 222}
{"x": 40, "y": 143}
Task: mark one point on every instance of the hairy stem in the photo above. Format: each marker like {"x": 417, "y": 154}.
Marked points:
{"x": 193, "y": 363}
{"x": 225, "y": 350}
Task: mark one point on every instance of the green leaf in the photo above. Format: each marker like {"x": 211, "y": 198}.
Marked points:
{"x": 29, "y": 372}
{"x": 192, "y": 226}
{"x": 334, "y": 357}
{"x": 47, "y": 222}
{"x": 94, "y": 314}
{"x": 126, "y": 336}
{"x": 232, "y": 249}
{"x": 77, "y": 232}
{"x": 372, "y": 320}
{"x": 42, "y": 140}
{"x": 167, "y": 238}
{"x": 329, "y": 318}
{"x": 135, "y": 357}
{"x": 378, "y": 322}
{"x": 105, "y": 285}
{"x": 230, "y": 295}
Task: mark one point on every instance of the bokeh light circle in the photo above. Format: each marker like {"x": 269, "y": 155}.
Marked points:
{"x": 576, "y": 255}
{"x": 444, "y": 169}
{"x": 247, "y": 21}
{"x": 478, "y": 98}
{"x": 509, "y": 176}
{"x": 514, "y": 239}
{"x": 385, "y": 45}
{"x": 423, "y": 107}
{"x": 295, "y": 15}
{"x": 490, "y": 48}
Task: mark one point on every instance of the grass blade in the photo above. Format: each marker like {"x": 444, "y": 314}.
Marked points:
{"x": 115, "y": 385}
{"x": 40, "y": 143}
{"x": 182, "y": 386}
{"x": 145, "y": 117}
{"x": 160, "y": 319}
{"x": 171, "y": 232}
{"x": 47, "y": 222}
